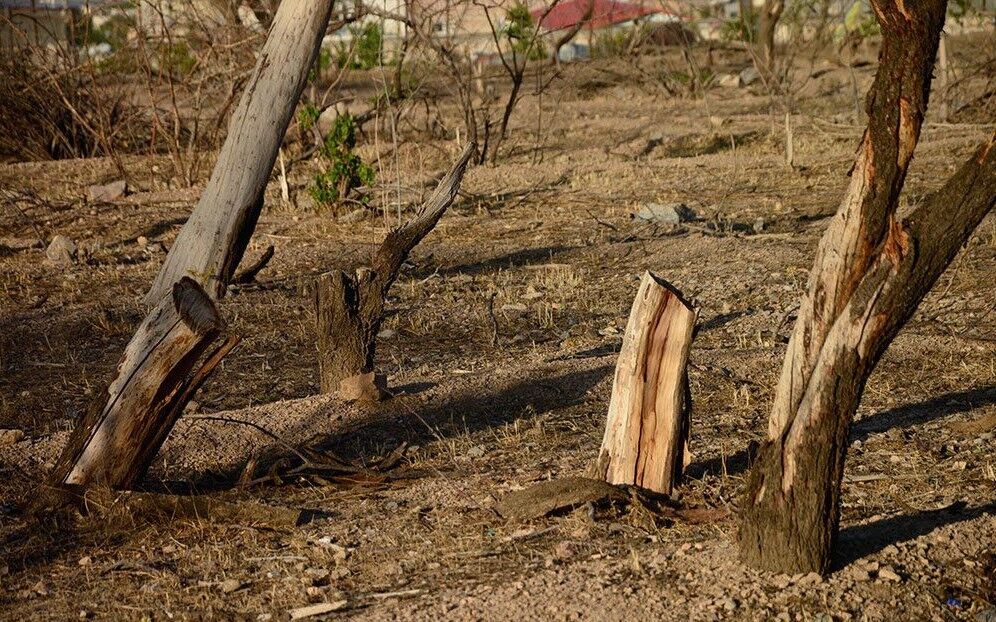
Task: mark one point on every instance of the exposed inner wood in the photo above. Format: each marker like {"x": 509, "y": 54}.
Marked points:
{"x": 870, "y": 273}
{"x": 157, "y": 375}
{"x": 646, "y": 430}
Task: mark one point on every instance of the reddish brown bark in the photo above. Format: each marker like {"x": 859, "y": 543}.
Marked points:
{"x": 870, "y": 273}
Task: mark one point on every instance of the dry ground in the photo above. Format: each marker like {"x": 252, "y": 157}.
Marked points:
{"x": 548, "y": 232}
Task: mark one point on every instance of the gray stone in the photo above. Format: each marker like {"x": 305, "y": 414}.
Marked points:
{"x": 61, "y": 250}
{"x": 749, "y": 76}
{"x": 668, "y": 213}
{"x": 105, "y": 193}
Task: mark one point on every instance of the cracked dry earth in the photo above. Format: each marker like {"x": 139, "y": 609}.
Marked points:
{"x": 548, "y": 232}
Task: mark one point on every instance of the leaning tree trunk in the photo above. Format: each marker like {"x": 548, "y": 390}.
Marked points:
{"x": 159, "y": 370}
{"x": 350, "y": 306}
{"x": 870, "y": 273}
{"x": 646, "y": 432}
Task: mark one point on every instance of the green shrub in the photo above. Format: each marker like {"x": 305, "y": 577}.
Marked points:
{"x": 366, "y": 49}
{"x": 521, "y": 33}
{"x": 307, "y": 117}
{"x": 344, "y": 170}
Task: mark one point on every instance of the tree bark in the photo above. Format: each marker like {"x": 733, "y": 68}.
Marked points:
{"x": 870, "y": 273}
{"x": 767, "y": 24}
{"x": 156, "y": 376}
{"x": 212, "y": 242}
{"x": 646, "y": 433}
{"x": 350, "y": 307}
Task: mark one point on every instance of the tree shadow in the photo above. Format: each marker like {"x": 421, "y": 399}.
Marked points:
{"x": 414, "y": 419}
{"x": 859, "y": 541}
{"x": 514, "y": 259}
{"x": 904, "y": 416}
{"x": 472, "y": 411}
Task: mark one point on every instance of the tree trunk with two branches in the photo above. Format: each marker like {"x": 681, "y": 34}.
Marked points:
{"x": 871, "y": 271}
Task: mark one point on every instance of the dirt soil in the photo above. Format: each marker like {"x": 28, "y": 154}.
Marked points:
{"x": 492, "y": 403}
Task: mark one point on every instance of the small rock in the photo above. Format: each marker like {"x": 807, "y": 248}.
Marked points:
{"x": 669, "y": 213}
{"x": 368, "y": 387}
{"x": 813, "y": 578}
{"x": 191, "y": 407}
{"x": 886, "y": 573}
{"x": 9, "y": 437}
{"x": 105, "y": 193}
{"x": 61, "y": 250}
{"x": 749, "y": 76}
{"x": 231, "y": 585}
{"x": 564, "y": 550}
{"x": 387, "y": 333}
{"x": 85, "y": 560}
{"x": 476, "y": 451}
{"x": 728, "y": 80}
{"x": 859, "y": 575}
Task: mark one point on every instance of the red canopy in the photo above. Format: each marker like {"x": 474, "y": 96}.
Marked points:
{"x": 604, "y": 13}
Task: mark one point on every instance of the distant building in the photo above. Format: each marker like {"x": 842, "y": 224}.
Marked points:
{"x": 42, "y": 23}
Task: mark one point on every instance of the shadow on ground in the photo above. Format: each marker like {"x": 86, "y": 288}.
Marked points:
{"x": 905, "y": 416}
{"x": 862, "y": 540}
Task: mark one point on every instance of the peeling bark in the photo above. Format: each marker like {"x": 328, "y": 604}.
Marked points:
{"x": 159, "y": 371}
{"x": 870, "y": 273}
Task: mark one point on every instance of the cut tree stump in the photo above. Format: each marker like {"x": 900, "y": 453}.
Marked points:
{"x": 646, "y": 433}
{"x": 350, "y": 306}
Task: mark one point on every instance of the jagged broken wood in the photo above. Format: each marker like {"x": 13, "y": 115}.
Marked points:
{"x": 162, "y": 367}
{"x": 871, "y": 271}
{"x": 116, "y": 443}
{"x": 646, "y": 432}
{"x": 350, "y": 306}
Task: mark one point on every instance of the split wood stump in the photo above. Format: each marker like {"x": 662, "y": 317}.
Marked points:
{"x": 646, "y": 433}
{"x": 160, "y": 370}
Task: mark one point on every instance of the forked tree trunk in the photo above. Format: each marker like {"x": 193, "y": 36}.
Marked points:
{"x": 350, "y": 307}
{"x": 156, "y": 376}
{"x": 646, "y": 433}
{"x": 870, "y": 273}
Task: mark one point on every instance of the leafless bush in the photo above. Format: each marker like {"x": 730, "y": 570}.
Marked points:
{"x": 55, "y": 103}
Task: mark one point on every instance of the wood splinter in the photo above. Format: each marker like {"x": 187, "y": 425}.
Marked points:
{"x": 646, "y": 433}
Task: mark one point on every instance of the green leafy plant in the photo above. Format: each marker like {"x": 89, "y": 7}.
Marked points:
{"x": 366, "y": 50}
{"x": 521, "y": 32}
{"x": 344, "y": 170}
{"x": 307, "y": 117}
{"x": 323, "y": 62}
